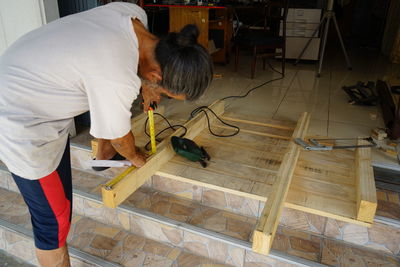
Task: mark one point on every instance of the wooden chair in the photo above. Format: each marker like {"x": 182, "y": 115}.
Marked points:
{"x": 265, "y": 40}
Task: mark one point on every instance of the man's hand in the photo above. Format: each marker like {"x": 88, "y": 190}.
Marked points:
{"x": 126, "y": 147}
{"x": 140, "y": 158}
{"x": 150, "y": 94}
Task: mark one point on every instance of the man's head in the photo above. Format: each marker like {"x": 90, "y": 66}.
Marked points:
{"x": 176, "y": 65}
{"x": 186, "y": 66}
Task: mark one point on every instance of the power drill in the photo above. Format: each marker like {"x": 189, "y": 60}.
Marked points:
{"x": 190, "y": 150}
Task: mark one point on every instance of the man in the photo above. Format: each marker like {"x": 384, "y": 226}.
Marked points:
{"x": 96, "y": 60}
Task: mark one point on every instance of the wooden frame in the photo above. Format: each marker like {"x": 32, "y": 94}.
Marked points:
{"x": 365, "y": 184}
{"x": 269, "y": 220}
{"x": 262, "y": 163}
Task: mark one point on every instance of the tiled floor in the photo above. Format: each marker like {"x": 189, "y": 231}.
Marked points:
{"x": 106, "y": 241}
{"x": 328, "y": 251}
{"x": 179, "y": 209}
{"x": 388, "y": 204}
{"x": 187, "y": 211}
{"x": 128, "y": 249}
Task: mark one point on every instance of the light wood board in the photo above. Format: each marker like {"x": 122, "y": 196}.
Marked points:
{"x": 267, "y": 225}
{"x": 247, "y": 165}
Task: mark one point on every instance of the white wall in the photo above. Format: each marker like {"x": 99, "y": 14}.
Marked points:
{"x": 50, "y": 10}
{"x": 18, "y": 17}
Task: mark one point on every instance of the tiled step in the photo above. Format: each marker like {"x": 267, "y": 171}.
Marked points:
{"x": 91, "y": 243}
{"x": 210, "y": 244}
{"x": 97, "y": 244}
{"x": 329, "y": 251}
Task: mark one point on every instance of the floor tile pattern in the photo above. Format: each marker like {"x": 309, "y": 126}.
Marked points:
{"x": 329, "y": 251}
{"x": 388, "y": 204}
{"x": 187, "y": 211}
{"x": 128, "y": 249}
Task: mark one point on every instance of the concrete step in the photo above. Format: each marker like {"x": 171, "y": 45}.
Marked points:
{"x": 91, "y": 243}
{"x": 214, "y": 234}
{"x": 172, "y": 228}
{"x": 97, "y": 244}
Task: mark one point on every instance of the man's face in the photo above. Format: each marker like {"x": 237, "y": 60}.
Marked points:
{"x": 158, "y": 91}
{"x": 152, "y": 92}
{"x": 170, "y": 94}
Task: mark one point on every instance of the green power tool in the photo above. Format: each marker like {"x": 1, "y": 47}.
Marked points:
{"x": 190, "y": 150}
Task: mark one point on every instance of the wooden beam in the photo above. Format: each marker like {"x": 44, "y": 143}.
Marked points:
{"x": 256, "y": 132}
{"x": 269, "y": 220}
{"x": 121, "y": 189}
{"x": 365, "y": 184}
{"x": 265, "y": 124}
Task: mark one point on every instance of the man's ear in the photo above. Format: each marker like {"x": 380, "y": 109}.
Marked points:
{"x": 154, "y": 76}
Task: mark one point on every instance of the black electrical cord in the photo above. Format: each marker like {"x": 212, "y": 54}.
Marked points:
{"x": 204, "y": 108}
{"x": 258, "y": 86}
{"x": 163, "y": 130}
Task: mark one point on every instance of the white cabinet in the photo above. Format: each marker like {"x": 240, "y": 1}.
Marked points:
{"x": 18, "y": 17}
{"x": 300, "y": 25}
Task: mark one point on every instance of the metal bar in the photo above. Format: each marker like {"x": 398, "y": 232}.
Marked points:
{"x": 341, "y": 42}
{"x": 325, "y": 37}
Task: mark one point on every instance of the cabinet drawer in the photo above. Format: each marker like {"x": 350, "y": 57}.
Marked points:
{"x": 301, "y": 26}
{"x": 294, "y": 46}
{"x": 299, "y": 32}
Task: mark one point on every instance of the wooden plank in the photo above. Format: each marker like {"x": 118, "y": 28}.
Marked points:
{"x": 256, "y": 132}
{"x": 265, "y": 124}
{"x": 365, "y": 184}
{"x": 257, "y": 144}
{"x": 269, "y": 220}
{"x": 209, "y": 180}
{"x": 113, "y": 196}
{"x": 331, "y": 208}
{"x": 259, "y": 119}
{"x": 230, "y": 169}
{"x": 327, "y": 190}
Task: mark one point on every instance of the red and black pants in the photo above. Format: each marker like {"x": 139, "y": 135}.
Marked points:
{"x": 49, "y": 200}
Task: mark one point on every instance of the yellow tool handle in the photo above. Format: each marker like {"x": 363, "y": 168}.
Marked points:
{"x": 152, "y": 131}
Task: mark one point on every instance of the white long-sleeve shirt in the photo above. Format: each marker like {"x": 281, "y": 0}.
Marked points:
{"x": 86, "y": 61}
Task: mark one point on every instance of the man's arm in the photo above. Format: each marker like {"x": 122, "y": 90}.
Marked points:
{"x": 125, "y": 146}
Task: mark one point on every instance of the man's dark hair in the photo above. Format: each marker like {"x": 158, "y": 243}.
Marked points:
{"x": 186, "y": 66}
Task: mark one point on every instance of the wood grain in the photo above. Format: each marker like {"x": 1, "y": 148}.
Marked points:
{"x": 365, "y": 184}
{"x": 269, "y": 220}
